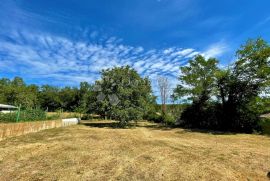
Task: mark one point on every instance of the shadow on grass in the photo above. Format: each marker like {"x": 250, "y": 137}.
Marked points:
{"x": 185, "y": 130}
{"x": 132, "y": 125}
{"x": 102, "y": 124}
{"x": 213, "y": 132}
{"x": 153, "y": 126}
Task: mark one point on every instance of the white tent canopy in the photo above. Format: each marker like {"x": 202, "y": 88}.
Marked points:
{"x": 7, "y": 106}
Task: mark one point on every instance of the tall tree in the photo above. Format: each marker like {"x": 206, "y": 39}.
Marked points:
{"x": 16, "y": 92}
{"x": 69, "y": 98}
{"x": 197, "y": 84}
{"x": 244, "y": 83}
{"x": 164, "y": 89}
{"x": 85, "y": 97}
{"x": 239, "y": 89}
{"x": 49, "y": 97}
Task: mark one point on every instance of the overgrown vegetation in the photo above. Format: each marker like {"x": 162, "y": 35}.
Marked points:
{"x": 265, "y": 125}
{"x": 226, "y": 99}
{"x": 25, "y": 115}
{"x": 46, "y": 97}
{"x": 121, "y": 94}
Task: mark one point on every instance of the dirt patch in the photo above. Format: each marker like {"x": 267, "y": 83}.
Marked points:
{"x": 97, "y": 151}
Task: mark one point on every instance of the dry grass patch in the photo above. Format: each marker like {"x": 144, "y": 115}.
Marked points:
{"x": 98, "y": 151}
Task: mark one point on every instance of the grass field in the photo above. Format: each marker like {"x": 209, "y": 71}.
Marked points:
{"x": 97, "y": 151}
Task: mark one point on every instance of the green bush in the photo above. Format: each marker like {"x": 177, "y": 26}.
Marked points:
{"x": 25, "y": 115}
{"x": 8, "y": 117}
{"x": 32, "y": 115}
{"x": 168, "y": 119}
{"x": 213, "y": 116}
{"x": 265, "y": 126}
{"x": 153, "y": 116}
{"x": 172, "y": 109}
{"x": 53, "y": 117}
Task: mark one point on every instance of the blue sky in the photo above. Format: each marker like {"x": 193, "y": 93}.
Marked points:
{"x": 64, "y": 42}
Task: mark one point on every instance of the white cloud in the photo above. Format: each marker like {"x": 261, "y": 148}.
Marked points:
{"x": 60, "y": 60}
{"x": 215, "y": 50}
{"x": 193, "y": 54}
{"x": 168, "y": 51}
{"x": 184, "y": 52}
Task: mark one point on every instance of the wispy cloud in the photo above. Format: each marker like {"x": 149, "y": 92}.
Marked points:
{"x": 36, "y": 55}
{"x": 215, "y": 50}
{"x": 62, "y": 61}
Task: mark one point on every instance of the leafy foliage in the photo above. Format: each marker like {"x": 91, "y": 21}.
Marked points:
{"x": 50, "y": 98}
{"x": 265, "y": 125}
{"x": 238, "y": 90}
{"x": 197, "y": 79}
{"x": 25, "y": 115}
{"x": 16, "y": 92}
{"x": 168, "y": 119}
{"x": 123, "y": 95}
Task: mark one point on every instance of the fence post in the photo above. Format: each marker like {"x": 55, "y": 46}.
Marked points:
{"x": 18, "y": 114}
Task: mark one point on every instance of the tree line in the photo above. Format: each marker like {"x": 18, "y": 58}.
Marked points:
{"x": 228, "y": 99}
{"x": 121, "y": 94}
{"x": 46, "y": 97}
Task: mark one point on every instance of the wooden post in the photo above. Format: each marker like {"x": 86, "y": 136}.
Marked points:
{"x": 18, "y": 114}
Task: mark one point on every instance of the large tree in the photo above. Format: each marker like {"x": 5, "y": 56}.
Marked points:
{"x": 197, "y": 79}
{"x": 197, "y": 85}
{"x": 242, "y": 86}
{"x": 122, "y": 94}
{"x": 237, "y": 90}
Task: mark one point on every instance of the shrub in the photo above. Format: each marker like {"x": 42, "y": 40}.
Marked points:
{"x": 53, "y": 117}
{"x": 168, "y": 119}
{"x": 216, "y": 117}
{"x": 32, "y": 115}
{"x": 87, "y": 117}
{"x": 153, "y": 116}
{"x": 25, "y": 115}
{"x": 200, "y": 115}
{"x": 8, "y": 117}
{"x": 265, "y": 126}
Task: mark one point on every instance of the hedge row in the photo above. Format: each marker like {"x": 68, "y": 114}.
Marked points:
{"x": 26, "y": 115}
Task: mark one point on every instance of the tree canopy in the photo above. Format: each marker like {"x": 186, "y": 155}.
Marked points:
{"x": 197, "y": 78}
{"x": 225, "y": 98}
{"x": 122, "y": 94}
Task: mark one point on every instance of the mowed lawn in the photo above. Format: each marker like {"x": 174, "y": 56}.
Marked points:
{"x": 97, "y": 151}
